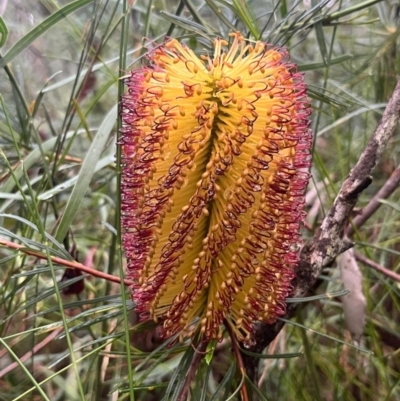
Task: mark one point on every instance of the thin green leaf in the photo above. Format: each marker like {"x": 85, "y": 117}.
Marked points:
{"x": 86, "y": 173}
{"x": 105, "y": 339}
{"x": 217, "y": 11}
{"x": 237, "y": 389}
{"x": 226, "y": 382}
{"x": 154, "y": 352}
{"x": 325, "y": 335}
{"x": 3, "y": 32}
{"x": 179, "y": 375}
{"x": 316, "y": 66}
{"x": 65, "y": 254}
{"x": 25, "y": 370}
{"x": 245, "y": 14}
{"x": 102, "y": 163}
{"x": 379, "y": 248}
{"x": 205, "y": 380}
{"x": 318, "y": 297}
{"x": 271, "y": 356}
{"x": 35, "y": 228}
{"x": 41, "y": 295}
{"x": 37, "y": 270}
{"x": 156, "y": 365}
{"x": 10, "y": 234}
{"x": 393, "y": 205}
{"x": 8, "y": 258}
{"x": 210, "y": 351}
{"x": 197, "y": 16}
{"x": 76, "y": 304}
{"x": 319, "y": 94}
{"x": 260, "y": 395}
{"x": 20, "y": 285}
{"x": 352, "y": 9}
{"x": 33, "y": 158}
{"x": 109, "y": 228}
{"x": 321, "y": 41}
{"x": 36, "y": 32}
{"x": 186, "y": 24}
{"x": 150, "y": 388}
{"x": 61, "y": 370}
{"x": 148, "y": 19}
{"x": 284, "y": 8}
{"x": 116, "y": 245}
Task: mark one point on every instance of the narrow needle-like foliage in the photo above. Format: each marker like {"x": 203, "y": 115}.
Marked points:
{"x": 215, "y": 161}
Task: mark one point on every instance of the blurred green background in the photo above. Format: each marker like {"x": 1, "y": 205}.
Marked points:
{"x": 76, "y": 336}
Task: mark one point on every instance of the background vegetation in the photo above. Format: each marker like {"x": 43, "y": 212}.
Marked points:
{"x": 67, "y": 336}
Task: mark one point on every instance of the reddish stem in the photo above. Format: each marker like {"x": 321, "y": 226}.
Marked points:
{"x": 197, "y": 358}
{"x": 239, "y": 359}
{"x": 389, "y": 273}
{"x": 63, "y": 262}
{"x": 34, "y": 351}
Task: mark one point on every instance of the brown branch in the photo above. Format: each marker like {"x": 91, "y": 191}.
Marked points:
{"x": 327, "y": 243}
{"x": 378, "y": 267}
{"x": 387, "y": 189}
{"x": 197, "y": 358}
{"x": 64, "y": 262}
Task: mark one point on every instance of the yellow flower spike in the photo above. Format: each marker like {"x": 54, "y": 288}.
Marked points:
{"x": 215, "y": 161}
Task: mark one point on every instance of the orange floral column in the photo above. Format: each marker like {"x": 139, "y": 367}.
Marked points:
{"x": 215, "y": 161}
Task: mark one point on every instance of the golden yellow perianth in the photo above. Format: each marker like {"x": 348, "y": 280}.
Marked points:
{"x": 215, "y": 162}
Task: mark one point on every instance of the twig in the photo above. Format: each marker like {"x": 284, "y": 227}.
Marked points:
{"x": 63, "y": 262}
{"x": 29, "y": 354}
{"x": 387, "y": 189}
{"x": 239, "y": 359}
{"x": 197, "y": 358}
{"x": 327, "y": 243}
{"x": 378, "y": 267}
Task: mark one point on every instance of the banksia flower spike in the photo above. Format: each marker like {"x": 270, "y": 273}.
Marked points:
{"x": 215, "y": 162}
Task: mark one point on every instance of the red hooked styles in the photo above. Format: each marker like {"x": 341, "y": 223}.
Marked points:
{"x": 215, "y": 160}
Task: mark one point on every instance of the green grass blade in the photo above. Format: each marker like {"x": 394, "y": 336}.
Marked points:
{"x": 3, "y": 32}
{"x": 36, "y": 32}
{"x": 102, "y": 163}
{"x": 60, "y": 371}
{"x": 308, "y": 329}
{"x": 31, "y": 159}
{"x": 393, "y": 205}
{"x": 216, "y": 10}
{"x": 25, "y": 370}
{"x": 244, "y": 12}
{"x": 86, "y": 173}
{"x": 35, "y": 228}
{"x": 123, "y": 47}
{"x": 187, "y": 25}
{"x": 226, "y": 382}
{"x": 260, "y": 395}
{"x": 316, "y": 66}
{"x": 272, "y": 356}
{"x": 350, "y": 10}
{"x": 335, "y": 294}
{"x": 319, "y": 31}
